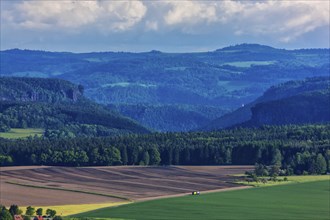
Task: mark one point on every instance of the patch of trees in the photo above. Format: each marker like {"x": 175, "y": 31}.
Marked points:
{"x": 295, "y": 149}
{"x": 8, "y": 214}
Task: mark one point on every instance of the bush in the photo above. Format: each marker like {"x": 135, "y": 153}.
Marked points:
{"x": 57, "y": 218}
{"x": 5, "y": 214}
{"x": 264, "y": 181}
{"x": 26, "y": 218}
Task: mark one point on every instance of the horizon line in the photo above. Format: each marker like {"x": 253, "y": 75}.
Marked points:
{"x": 160, "y": 51}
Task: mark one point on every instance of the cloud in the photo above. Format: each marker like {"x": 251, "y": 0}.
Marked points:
{"x": 106, "y": 15}
{"x": 285, "y": 19}
{"x": 190, "y": 12}
{"x": 165, "y": 22}
{"x": 152, "y": 25}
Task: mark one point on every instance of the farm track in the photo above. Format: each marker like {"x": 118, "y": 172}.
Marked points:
{"x": 133, "y": 182}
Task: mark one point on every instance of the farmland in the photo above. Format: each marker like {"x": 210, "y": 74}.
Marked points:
{"x": 50, "y": 186}
{"x": 308, "y": 200}
{"x": 289, "y": 179}
{"x": 21, "y": 133}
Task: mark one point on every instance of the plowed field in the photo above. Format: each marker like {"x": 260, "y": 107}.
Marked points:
{"x": 84, "y": 185}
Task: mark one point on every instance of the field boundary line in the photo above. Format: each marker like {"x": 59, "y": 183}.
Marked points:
{"x": 69, "y": 190}
{"x": 187, "y": 194}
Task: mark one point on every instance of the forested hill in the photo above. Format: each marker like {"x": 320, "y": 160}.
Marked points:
{"x": 59, "y": 107}
{"x": 293, "y": 102}
{"x": 172, "y": 91}
{"x": 300, "y": 109}
{"x": 39, "y": 90}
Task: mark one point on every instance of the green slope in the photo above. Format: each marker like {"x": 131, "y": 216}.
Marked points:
{"x": 59, "y": 107}
{"x": 286, "y": 202}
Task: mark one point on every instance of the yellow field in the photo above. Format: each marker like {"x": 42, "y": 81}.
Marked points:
{"x": 21, "y": 133}
{"x": 66, "y": 210}
{"x": 291, "y": 179}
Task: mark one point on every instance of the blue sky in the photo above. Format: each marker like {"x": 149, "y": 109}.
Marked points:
{"x": 170, "y": 26}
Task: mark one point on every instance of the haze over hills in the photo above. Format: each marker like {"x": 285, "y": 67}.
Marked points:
{"x": 59, "y": 107}
{"x": 173, "y": 91}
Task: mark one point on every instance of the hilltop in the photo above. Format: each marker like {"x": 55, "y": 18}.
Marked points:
{"x": 59, "y": 107}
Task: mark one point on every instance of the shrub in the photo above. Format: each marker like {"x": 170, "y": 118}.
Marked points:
{"x": 57, "y": 218}
{"x": 26, "y": 217}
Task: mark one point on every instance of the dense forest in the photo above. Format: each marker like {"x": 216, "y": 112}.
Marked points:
{"x": 296, "y": 149}
{"x": 59, "y": 107}
{"x": 178, "y": 86}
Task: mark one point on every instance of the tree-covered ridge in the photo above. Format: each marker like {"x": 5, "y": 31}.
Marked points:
{"x": 59, "y": 107}
{"x": 223, "y": 79}
{"x": 292, "y": 102}
{"x": 305, "y": 108}
{"x": 39, "y": 90}
{"x": 294, "y": 148}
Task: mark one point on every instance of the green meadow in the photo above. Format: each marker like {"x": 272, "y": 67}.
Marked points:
{"x": 309, "y": 200}
{"x": 21, "y": 133}
{"x": 248, "y": 64}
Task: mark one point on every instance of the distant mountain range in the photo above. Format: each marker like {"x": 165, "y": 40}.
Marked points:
{"x": 293, "y": 102}
{"x": 173, "y": 91}
{"x": 59, "y": 107}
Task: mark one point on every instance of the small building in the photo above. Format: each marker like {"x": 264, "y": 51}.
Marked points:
{"x": 18, "y": 217}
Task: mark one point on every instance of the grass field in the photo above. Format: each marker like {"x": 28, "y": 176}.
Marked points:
{"x": 21, "y": 133}
{"x": 290, "y": 179}
{"x": 247, "y": 64}
{"x": 309, "y": 200}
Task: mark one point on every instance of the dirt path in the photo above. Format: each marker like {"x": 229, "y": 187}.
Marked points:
{"x": 203, "y": 192}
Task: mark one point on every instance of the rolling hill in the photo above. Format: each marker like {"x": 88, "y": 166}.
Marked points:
{"x": 179, "y": 86}
{"x": 59, "y": 107}
{"x": 293, "y": 102}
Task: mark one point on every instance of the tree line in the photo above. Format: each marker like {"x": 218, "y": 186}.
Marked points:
{"x": 296, "y": 149}
{"x": 8, "y": 214}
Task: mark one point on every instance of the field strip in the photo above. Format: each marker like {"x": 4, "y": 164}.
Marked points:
{"x": 290, "y": 180}
{"x": 22, "y": 168}
{"x": 69, "y": 190}
{"x": 156, "y": 175}
{"x": 66, "y": 210}
{"x": 153, "y": 177}
{"x": 203, "y": 192}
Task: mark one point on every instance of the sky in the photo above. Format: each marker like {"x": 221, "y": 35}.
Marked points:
{"x": 169, "y": 26}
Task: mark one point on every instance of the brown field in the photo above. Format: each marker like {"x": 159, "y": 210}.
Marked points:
{"x": 133, "y": 183}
